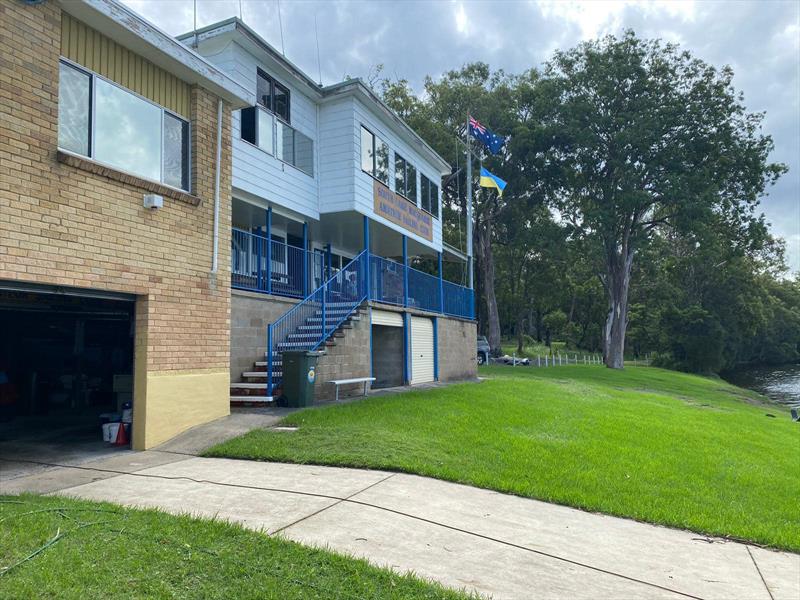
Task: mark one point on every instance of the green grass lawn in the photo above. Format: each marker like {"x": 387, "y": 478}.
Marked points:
{"x": 105, "y": 551}
{"x": 645, "y": 443}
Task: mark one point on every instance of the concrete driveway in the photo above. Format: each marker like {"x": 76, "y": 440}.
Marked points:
{"x": 499, "y": 545}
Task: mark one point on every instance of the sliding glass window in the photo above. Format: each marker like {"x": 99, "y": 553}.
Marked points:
{"x": 429, "y": 193}
{"x": 405, "y": 178}
{"x": 121, "y": 129}
{"x": 374, "y": 156}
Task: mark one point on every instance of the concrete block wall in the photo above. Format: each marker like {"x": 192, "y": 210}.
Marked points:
{"x": 458, "y": 349}
{"x": 349, "y": 358}
{"x": 75, "y": 223}
{"x": 251, "y": 312}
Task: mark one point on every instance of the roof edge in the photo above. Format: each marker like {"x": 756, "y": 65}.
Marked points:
{"x": 133, "y": 31}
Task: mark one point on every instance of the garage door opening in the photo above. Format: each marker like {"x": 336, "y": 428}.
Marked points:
{"x": 66, "y": 361}
{"x": 387, "y": 349}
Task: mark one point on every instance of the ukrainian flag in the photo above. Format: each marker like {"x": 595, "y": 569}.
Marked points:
{"x": 492, "y": 181}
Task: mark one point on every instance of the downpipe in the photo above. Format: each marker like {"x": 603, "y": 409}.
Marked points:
{"x": 215, "y": 249}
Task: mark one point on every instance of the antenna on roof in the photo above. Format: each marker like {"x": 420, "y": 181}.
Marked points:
{"x": 194, "y": 30}
{"x": 280, "y": 23}
{"x": 319, "y": 63}
{"x": 241, "y": 18}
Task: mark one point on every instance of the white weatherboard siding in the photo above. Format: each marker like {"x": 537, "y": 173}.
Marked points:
{"x": 387, "y": 317}
{"x": 361, "y": 199}
{"x": 337, "y": 158}
{"x": 255, "y": 171}
{"x": 421, "y": 350}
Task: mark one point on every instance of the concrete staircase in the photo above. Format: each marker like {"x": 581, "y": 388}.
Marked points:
{"x": 252, "y": 390}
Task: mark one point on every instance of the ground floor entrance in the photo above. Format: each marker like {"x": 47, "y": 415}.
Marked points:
{"x": 66, "y": 365}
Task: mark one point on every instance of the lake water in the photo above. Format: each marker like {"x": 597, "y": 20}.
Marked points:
{"x": 781, "y": 384}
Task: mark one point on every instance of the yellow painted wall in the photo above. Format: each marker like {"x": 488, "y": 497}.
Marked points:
{"x": 85, "y": 46}
{"x": 177, "y": 401}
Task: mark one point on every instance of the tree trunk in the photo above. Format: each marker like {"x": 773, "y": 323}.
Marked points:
{"x": 618, "y": 279}
{"x": 520, "y": 326}
{"x": 483, "y": 236}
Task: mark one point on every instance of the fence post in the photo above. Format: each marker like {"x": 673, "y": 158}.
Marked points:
{"x": 538, "y": 361}
{"x": 545, "y": 360}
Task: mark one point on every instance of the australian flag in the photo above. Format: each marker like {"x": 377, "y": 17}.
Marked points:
{"x": 492, "y": 141}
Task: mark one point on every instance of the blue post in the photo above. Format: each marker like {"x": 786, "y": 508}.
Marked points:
{"x": 366, "y": 247}
{"x": 269, "y": 250}
{"x": 441, "y": 285}
{"x": 269, "y": 360}
{"x": 436, "y": 347}
{"x": 259, "y": 276}
{"x": 405, "y": 271}
{"x": 327, "y": 263}
{"x": 305, "y": 260}
{"x": 406, "y": 349}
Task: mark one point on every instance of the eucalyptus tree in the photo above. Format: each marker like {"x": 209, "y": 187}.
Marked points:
{"x": 647, "y": 138}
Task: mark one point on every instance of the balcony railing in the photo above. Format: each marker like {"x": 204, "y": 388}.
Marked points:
{"x": 273, "y": 267}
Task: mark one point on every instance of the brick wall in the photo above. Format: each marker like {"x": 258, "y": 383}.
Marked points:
{"x": 61, "y": 224}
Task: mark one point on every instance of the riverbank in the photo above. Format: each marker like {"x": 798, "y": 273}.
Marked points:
{"x": 779, "y": 383}
{"x": 649, "y": 444}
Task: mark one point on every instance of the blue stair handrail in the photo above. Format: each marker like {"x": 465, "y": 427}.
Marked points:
{"x": 307, "y": 325}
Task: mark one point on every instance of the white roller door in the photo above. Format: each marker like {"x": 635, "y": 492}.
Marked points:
{"x": 387, "y": 317}
{"x": 421, "y": 350}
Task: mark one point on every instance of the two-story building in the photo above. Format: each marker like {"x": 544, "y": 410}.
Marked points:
{"x": 115, "y": 204}
{"x": 336, "y": 238}
{"x": 175, "y": 214}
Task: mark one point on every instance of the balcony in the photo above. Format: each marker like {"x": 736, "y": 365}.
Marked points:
{"x": 273, "y": 267}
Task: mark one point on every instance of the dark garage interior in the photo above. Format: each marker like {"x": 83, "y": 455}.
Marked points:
{"x": 65, "y": 360}
{"x": 387, "y": 356}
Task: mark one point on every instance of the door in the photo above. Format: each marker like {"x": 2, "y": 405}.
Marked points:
{"x": 421, "y": 350}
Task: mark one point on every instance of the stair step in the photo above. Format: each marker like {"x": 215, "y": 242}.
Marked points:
{"x": 261, "y": 374}
{"x": 249, "y": 386}
{"x": 264, "y": 363}
{"x": 253, "y": 399}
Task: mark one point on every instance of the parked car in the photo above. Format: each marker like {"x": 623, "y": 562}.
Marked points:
{"x": 483, "y": 350}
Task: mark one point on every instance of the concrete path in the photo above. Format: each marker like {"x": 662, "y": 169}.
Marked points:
{"x": 499, "y": 545}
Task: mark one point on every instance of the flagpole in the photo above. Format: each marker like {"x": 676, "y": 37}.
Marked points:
{"x": 470, "y": 261}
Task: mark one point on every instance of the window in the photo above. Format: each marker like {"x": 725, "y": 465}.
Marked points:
{"x": 121, "y": 129}
{"x": 405, "y": 178}
{"x": 74, "y": 108}
{"x": 275, "y": 137}
{"x": 429, "y": 192}
{"x": 374, "y": 156}
{"x": 272, "y": 95}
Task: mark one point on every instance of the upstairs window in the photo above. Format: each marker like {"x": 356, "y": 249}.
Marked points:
{"x": 121, "y": 129}
{"x": 374, "y": 156}
{"x": 405, "y": 178}
{"x": 272, "y": 95}
{"x": 430, "y": 196}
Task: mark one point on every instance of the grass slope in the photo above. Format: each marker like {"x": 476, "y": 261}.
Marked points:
{"x": 645, "y": 443}
{"x": 111, "y": 552}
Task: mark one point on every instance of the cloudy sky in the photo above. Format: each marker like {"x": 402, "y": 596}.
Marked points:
{"x": 759, "y": 39}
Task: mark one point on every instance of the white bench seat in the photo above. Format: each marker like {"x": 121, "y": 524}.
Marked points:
{"x": 364, "y": 380}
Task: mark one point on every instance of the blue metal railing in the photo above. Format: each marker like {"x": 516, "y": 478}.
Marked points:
{"x": 458, "y": 300}
{"x": 270, "y": 266}
{"x": 387, "y": 280}
{"x": 423, "y": 290}
{"x": 308, "y": 324}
